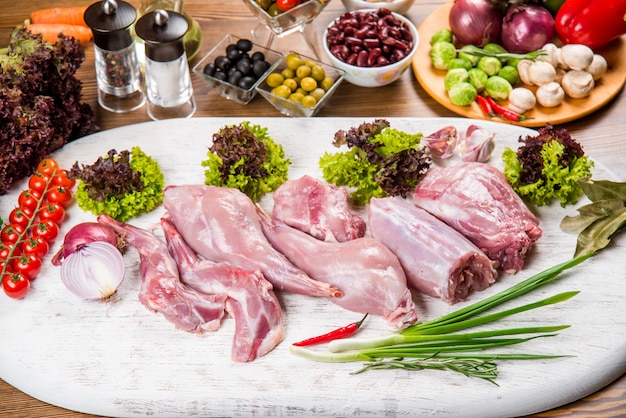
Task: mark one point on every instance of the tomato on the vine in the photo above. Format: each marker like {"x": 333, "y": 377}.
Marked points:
{"x": 53, "y": 211}
{"x": 48, "y": 230}
{"x": 15, "y": 285}
{"x": 11, "y": 233}
{"x": 59, "y": 194}
{"x": 47, "y": 166}
{"x": 38, "y": 182}
{"x": 61, "y": 179}
{"x": 28, "y": 264}
{"x": 35, "y": 245}
{"x": 8, "y": 250}
{"x": 285, "y": 5}
{"x": 29, "y": 199}
{"x": 21, "y": 216}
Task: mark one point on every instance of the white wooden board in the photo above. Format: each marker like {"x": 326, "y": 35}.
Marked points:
{"x": 119, "y": 359}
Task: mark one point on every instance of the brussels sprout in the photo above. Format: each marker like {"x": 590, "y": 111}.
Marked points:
{"x": 498, "y": 87}
{"x": 462, "y": 94}
{"x": 454, "y": 76}
{"x": 442, "y": 35}
{"x": 441, "y": 53}
{"x": 477, "y": 78}
{"x": 510, "y": 74}
{"x": 465, "y": 53}
{"x": 459, "y": 63}
{"x": 490, "y": 65}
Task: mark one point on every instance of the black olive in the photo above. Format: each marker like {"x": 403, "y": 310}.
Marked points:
{"x": 247, "y": 82}
{"x": 244, "y": 45}
{"x": 209, "y": 69}
{"x": 222, "y": 63}
{"x": 234, "y": 78}
{"x": 258, "y": 56}
{"x": 233, "y": 54}
{"x": 259, "y": 68}
{"x": 220, "y": 75}
{"x": 245, "y": 66}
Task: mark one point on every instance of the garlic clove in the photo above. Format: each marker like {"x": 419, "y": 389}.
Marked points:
{"x": 442, "y": 142}
{"x": 477, "y": 144}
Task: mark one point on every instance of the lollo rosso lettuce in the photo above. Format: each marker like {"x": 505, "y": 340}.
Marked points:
{"x": 547, "y": 167}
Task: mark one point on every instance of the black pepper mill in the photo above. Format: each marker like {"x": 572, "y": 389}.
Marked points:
{"x": 120, "y": 84}
{"x": 168, "y": 82}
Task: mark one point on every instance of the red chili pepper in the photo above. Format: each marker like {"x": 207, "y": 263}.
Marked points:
{"x": 337, "y": 334}
{"x": 485, "y": 105}
{"x": 594, "y": 23}
{"x": 504, "y": 111}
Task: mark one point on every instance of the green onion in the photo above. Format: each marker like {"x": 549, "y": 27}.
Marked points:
{"x": 437, "y": 345}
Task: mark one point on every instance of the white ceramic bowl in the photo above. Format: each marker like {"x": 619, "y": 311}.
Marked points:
{"x": 398, "y": 6}
{"x": 374, "y": 76}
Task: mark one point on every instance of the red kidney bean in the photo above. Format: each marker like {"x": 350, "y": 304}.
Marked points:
{"x": 369, "y": 39}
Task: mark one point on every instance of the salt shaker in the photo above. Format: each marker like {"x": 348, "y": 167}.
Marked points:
{"x": 118, "y": 74}
{"x": 168, "y": 81}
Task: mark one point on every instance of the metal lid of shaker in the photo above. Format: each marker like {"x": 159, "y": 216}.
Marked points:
{"x": 110, "y": 22}
{"x": 162, "y": 32}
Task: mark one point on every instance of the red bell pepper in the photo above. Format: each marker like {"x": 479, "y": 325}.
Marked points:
{"x": 594, "y": 23}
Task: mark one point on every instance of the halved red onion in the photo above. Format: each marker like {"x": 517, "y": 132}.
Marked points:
{"x": 94, "y": 271}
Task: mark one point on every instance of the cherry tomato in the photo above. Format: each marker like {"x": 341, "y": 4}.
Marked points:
{"x": 29, "y": 199}
{"x": 285, "y": 5}
{"x": 35, "y": 245}
{"x": 59, "y": 194}
{"x": 61, "y": 179}
{"x": 38, "y": 182}
{"x": 8, "y": 250}
{"x": 28, "y": 264}
{"x": 21, "y": 216}
{"x": 15, "y": 285}
{"x": 47, "y": 167}
{"x": 53, "y": 211}
{"x": 11, "y": 233}
{"x": 48, "y": 230}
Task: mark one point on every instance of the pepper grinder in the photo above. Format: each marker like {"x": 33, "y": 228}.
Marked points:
{"x": 118, "y": 75}
{"x": 168, "y": 82}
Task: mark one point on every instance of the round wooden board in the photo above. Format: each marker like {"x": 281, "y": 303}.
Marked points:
{"x": 432, "y": 79}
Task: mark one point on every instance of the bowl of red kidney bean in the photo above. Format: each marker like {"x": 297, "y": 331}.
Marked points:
{"x": 373, "y": 46}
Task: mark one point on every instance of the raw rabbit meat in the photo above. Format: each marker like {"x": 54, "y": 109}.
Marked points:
{"x": 222, "y": 225}
{"x": 476, "y": 200}
{"x": 318, "y": 209}
{"x": 251, "y": 300}
{"x": 437, "y": 260}
{"x": 370, "y": 275}
{"x": 161, "y": 290}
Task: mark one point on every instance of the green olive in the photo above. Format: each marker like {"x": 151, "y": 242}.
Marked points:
{"x": 288, "y": 73}
{"x": 308, "y": 83}
{"x": 318, "y": 72}
{"x": 303, "y": 71}
{"x": 274, "y": 80}
{"x": 309, "y": 101}
{"x": 291, "y": 83}
{"x": 327, "y": 83}
{"x": 293, "y": 60}
{"x": 318, "y": 93}
{"x": 282, "y": 91}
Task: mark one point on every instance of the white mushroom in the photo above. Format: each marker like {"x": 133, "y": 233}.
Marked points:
{"x": 522, "y": 68}
{"x": 521, "y": 99}
{"x": 541, "y": 72}
{"x": 577, "y": 84}
{"x": 560, "y": 72}
{"x": 552, "y": 53}
{"x": 550, "y": 94}
{"x": 598, "y": 66}
{"x": 576, "y": 56}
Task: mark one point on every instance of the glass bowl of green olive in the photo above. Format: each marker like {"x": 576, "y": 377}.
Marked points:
{"x": 299, "y": 86}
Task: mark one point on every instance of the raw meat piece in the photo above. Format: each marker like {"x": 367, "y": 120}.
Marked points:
{"x": 161, "y": 290}
{"x": 221, "y": 224}
{"x": 476, "y": 200}
{"x": 251, "y": 300}
{"x": 318, "y": 209}
{"x": 370, "y": 275}
{"x": 437, "y": 259}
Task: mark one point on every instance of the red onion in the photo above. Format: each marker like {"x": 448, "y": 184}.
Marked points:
{"x": 475, "y": 22}
{"x": 527, "y": 28}
{"x": 94, "y": 271}
{"x": 82, "y": 234}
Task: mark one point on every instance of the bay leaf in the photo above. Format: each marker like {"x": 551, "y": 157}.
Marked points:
{"x": 590, "y": 213}
{"x": 599, "y": 234}
{"x": 597, "y": 190}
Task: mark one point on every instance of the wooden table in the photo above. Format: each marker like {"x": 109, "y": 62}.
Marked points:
{"x": 601, "y": 134}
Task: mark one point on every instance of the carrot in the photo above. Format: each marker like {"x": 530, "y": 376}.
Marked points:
{"x": 65, "y": 15}
{"x": 50, "y": 31}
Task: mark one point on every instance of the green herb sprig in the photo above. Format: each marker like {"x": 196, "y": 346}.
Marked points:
{"x": 435, "y": 344}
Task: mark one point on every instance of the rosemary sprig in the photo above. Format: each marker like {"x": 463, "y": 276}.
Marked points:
{"x": 480, "y": 52}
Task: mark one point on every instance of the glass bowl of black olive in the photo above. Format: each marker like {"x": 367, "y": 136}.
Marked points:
{"x": 235, "y": 66}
